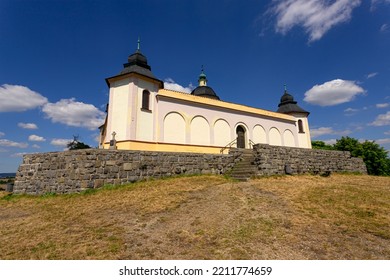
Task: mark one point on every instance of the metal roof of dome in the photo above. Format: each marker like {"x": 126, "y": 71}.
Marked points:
{"x": 289, "y": 105}
{"x": 204, "y": 90}
{"x": 138, "y": 63}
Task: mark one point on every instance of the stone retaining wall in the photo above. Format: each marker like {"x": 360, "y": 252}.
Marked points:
{"x": 272, "y": 160}
{"x": 75, "y": 171}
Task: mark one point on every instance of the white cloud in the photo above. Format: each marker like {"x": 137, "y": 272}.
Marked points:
{"x": 381, "y": 120}
{"x": 333, "y": 93}
{"x": 382, "y": 105}
{"x": 351, "y": 111}
{"x": 28, "y": 125}
{"x": 316, "y": 16}
{"x": 330, "y": 141}
{"x": 316, "y": 132}
{"x": 387, "y": 132}
{"x": 171, "y": 85}
{"x": 35, "y": 146}
{"x": 383, "y": 141}
{"x": 14, "y": 98}
{"x": 9, "y": 143}
{"x": 19, "y": 154}
{"x": 74, "y": 113}
{"x": 36, "y": 138}
{"x": 375, "y": 3}
{"x": 385, "y": 27}
{"x": 371, "y": 75}
{"x": 60, "y": 142}
{"x": 2, "y": 134}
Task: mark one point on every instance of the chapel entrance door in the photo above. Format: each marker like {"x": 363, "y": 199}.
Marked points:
{"x": 240, "y": 137}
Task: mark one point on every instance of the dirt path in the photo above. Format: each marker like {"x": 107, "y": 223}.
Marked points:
{"x": 214, "y": 222}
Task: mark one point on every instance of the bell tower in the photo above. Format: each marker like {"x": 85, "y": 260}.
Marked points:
{"x": 131, "y": 102}
{"x": 289, "y": 106}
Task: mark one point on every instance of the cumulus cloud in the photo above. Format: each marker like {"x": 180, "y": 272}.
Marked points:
{"x": 35, "y": 146}
{"x": 333, "y": 93}
{"x": 316, "y": 132}
{"x": 28, "y": 125}
{"x": 381, "y": 120}
{"x": 14, "y": 98}
{"x": 60, "y": 142}
{"x": 382, "y": 105}
{"x": 36, "y": 138}
{"x": 171, "y": 85}
{"x": 315, "y": 16}
{"x": 9, "y": 143}
{"x": 74, "y": 113}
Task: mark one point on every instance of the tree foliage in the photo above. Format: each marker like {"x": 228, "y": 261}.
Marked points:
{"x": 321, "y": 145}
{"x": 374, "y": 156}
{"x": 75, "y": 144}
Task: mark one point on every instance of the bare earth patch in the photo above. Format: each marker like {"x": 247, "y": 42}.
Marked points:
{"x": 205, "y": 217}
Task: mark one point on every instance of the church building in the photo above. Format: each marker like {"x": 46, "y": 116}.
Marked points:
{"x": 142, "y": 115}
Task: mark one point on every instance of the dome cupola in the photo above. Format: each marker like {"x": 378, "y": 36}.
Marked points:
{"x": 203, "y": 90}
{"x": 288, "y": 105}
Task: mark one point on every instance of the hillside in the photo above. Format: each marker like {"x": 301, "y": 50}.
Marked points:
{"x": 205, "y": 217}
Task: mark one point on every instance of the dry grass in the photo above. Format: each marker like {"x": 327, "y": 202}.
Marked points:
{"x": 205, "y": 217}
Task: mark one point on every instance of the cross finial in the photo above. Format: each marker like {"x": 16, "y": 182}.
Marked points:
{"x": 285, "y": 87}
{"x": 138, "y": 44}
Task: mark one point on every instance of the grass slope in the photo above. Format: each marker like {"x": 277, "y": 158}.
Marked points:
{"x": 205, "y": 217}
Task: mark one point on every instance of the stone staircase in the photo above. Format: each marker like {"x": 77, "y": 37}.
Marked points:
{"x": 244, "y": 169}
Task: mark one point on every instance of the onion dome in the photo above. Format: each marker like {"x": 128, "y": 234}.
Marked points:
{"x": 288, "y": 105}
{"x": 203, "y": 90}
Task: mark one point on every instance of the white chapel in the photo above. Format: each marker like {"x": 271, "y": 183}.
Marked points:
{"x": 142, "y": 115}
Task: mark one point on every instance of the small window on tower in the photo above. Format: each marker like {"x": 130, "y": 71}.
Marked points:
{"x": 145, "y": 100}
{"x": 300, "y": 126}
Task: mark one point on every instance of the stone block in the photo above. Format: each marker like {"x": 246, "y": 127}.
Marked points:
{"x": 129, "y": 166}
{"x": 98, "y": 183}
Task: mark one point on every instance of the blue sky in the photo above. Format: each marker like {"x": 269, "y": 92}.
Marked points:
{"x": 55, "y": 56}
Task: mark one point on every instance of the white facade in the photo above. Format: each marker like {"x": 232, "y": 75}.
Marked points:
{"x": 145, "y": 116}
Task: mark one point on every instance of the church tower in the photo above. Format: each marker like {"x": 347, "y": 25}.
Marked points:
{"x": 289, "y": 106}
{"x": 132, "y": 100}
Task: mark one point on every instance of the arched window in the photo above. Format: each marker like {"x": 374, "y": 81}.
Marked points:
{"x": 145, "y": 99}
{"x": 300, "y": 126}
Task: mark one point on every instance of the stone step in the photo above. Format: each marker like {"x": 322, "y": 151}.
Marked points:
{"x": 244, "y": 169}
{"x": 242, "y": 179}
